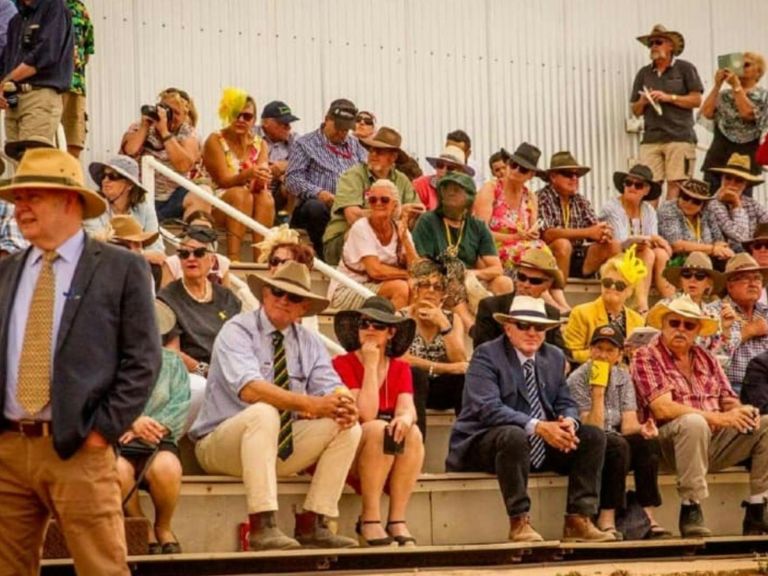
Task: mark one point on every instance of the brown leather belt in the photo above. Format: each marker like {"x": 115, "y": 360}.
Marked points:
{"x": 28, "y": 428}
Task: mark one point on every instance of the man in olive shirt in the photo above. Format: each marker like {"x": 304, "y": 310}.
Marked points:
{"x": 350, "y": 203}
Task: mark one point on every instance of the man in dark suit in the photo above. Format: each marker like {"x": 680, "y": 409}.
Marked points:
{"x": 79, "y": 354}
{"x": 518, "y": 416}
{"x": 536, "y": 273}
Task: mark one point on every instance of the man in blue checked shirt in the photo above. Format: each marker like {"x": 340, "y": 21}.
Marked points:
{"x": 315, "y": 163}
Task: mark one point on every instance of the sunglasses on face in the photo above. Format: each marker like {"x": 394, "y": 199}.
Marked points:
{"x": 364, "y": 120}
{"x": 570, "y": 175}
{"x": 367, "y": 323}
{"x": 699, "y": 275}
{"x": 274, "y": 262}
{"x": 293, "y": 298}
{"x": 532, "y": 280}
{"x": 734, "y": 179}
{"x": 656, "y": 42}
{"x": 746, "y": 279}
{"x": 747, "y": 64}
{"x": 526, "y": 326}
{"x": 445, "y": 165}
{"x": 688, "y": 325}
{"x": 610, "y": 283}
{"x": 113, "y": 176}
{"x": 759, "y": 245}
{"x": 246, "y": 116}
{"x": 184, "y": 253}
{"x": 691, "y": 199}
{"x": 383, "y": 200}
{"x": 427, "y": 285}
{"x": 522, "y": 169}
{"x": 636, "y": 184}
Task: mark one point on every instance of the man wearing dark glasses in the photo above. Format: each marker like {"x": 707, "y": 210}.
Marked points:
{"x": 518, "y": 417}
{"x": 703, "y": 427}
{"x": 665, "y": 93}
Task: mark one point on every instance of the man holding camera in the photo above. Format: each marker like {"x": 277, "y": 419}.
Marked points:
{"x": 37, "y": 64}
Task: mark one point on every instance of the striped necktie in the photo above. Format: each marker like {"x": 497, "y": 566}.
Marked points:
{"x": 33, "y": 388}
{"x": 285, "y": 438}
{"x": 538, "y": 447}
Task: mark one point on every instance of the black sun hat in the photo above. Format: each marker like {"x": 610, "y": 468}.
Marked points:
{"x": 347, "y": 322}
{"x": 641, "y": 172}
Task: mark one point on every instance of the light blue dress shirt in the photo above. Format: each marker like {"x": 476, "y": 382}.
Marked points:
{"x": 243, "y": 352}
{"x": 64, "y": 271}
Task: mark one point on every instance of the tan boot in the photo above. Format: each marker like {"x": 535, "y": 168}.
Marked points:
{"x": 265, "y": 535}
{"x": 580, "y": 528}
{"x": 520, "y": 530}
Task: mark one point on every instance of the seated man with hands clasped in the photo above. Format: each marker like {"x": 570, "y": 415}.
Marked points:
{"x": 272, "y": 408}
{"x": 702, "y": 425}
{"x": 518, "y": 416}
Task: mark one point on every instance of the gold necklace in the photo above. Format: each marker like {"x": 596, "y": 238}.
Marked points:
{"x": 452, "y": 250}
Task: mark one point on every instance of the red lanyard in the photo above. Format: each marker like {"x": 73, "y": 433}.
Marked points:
{"x": 346, "y": 154}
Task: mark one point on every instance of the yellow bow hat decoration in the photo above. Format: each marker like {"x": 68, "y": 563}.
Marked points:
{"x": 231, "y": 103}
{"x": 631, "y": 267}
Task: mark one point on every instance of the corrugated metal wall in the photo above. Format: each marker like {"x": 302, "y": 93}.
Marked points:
{"x": 556, "y": 73}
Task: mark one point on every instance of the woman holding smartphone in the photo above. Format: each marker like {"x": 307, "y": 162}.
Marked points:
{"x": 391, "y": 450}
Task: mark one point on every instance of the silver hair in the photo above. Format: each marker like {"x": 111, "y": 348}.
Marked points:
{"x": 384, "y": 183}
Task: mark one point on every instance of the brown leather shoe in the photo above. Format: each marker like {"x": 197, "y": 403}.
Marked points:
{"x": 312, "y": 531}
{"x": 520, "y": 530}
{"x": 580, "y": 528}
{"x": 265, "y": 535}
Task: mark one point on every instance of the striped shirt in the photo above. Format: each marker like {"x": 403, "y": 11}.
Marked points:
{"x": 742, "y": 352}
{"x": 738, "y": 224}
{"x": 11, "y": 239}
{"x": 655, "y": 373}
{"x": 315, "y": 163}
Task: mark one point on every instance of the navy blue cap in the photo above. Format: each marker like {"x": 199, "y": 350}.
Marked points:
{"x": 280, "y": 111}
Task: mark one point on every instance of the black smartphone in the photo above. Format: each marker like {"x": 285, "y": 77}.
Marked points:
{"x": 390, "y": 446}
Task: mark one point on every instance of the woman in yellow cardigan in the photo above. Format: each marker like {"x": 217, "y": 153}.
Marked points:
{"x": 618, "y": 278}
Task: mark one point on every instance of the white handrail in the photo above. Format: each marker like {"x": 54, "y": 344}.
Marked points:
{"x": 149, "y": 165}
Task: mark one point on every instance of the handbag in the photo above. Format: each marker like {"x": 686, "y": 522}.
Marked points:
{"x": 632, "y": 521}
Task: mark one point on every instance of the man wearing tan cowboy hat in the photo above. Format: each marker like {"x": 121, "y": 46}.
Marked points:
{"x": 665, "y": 93}
{"x": 579, "y": 241}
{"x": 450, "y": 159}
{"x": 351, "y": 202}
{"x": 758, "y": 248}
{"x": 745, "y": 281}
{"x": 80, "y": 357}
{"x": 737, "y": 214}
{"x": 518, "y": 416}
{"x": 271, "y": 409}
{"x": 703, "y": 427}
{"x": 536, "y": 273}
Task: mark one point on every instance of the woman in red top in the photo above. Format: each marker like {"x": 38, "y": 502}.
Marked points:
{"x": 391, "y": 450}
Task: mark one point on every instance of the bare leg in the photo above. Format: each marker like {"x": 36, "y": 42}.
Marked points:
{"x": 396, "y": 291}
{"x": 164, "y": 478}
{"x": 467, "y": 318}
{"x": 665, "y": 288}
{"x": 673, "y": 189}
{"x": 373, "y": 467}
{"x": 556, "y": 297}
{"x": 126, "y": 474}
{"x": 648, "y": 256}
{"x": 74, "y": 151}
{"x": 606, "y": 519}
{"x": 599, "y": 253}
{"x": 405, "y": 473}
{"x": 501, "y": 285}
{"x": 562, "y": 250}
{"x": 193, "y": 203}
{"x": 263, "y": 213}
{"x": 239, "y": 198}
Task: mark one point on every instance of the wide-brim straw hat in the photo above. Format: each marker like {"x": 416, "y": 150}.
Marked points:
{"x": 124, "y": 165}
{"x": 739, "y": 165}
{"x": 696, "y": 261}
{"x": 53, "y": 169}
{"x": 659, "y": 31}
{"x": 294, "y": 278}
{"x": 527, "y": 309}
{"x": 165, "y": 317}
{"x": 685, "y": 307}
{"x": 454, "y": 156}
{"x": 346, "y": 325}
{"x": 127, "y": 228}
{"x": 761, "y": 233}
{"x": 641, "y": 172}
{"x": 564, "y": 160}
{"x": 542, "y": 260}
{"x": 697, "y": 189}
{"x": 744, "y": 262}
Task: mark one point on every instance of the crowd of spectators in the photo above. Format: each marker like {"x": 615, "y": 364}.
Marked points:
{"x": 591, "y": 391}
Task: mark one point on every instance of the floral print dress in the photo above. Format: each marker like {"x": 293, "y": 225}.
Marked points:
{"x": 508, "y": 220}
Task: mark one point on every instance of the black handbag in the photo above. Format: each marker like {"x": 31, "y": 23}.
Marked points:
{"x": 632, "y": 521}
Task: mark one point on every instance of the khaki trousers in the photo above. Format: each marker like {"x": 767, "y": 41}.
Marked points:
{"x": 245, "y": 445}
{"x": 692, "y": 449}
{"x": 82, "y": 493}
{"x": 36, "y": 117}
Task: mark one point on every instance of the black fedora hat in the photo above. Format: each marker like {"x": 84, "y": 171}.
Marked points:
{"x": 526, "y": 155}
{"x": 641, "y": 172}
{"x": 346, "y": 324}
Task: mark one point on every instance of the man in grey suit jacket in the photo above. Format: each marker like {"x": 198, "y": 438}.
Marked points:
{"x": 518, "y": 415}
{"x": 79, "y": 354}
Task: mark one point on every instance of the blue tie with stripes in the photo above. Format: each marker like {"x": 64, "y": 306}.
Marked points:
{"x": 538, "y": 447}
{"x": 285, "y": 437}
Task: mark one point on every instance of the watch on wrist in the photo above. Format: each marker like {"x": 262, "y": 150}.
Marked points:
{"x": 201, "y": 369}
{"x": 674, "y": 97}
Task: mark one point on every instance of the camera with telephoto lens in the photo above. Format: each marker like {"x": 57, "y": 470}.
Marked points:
{"x": 11, "y": 94}
{"x": 150, "y": 111}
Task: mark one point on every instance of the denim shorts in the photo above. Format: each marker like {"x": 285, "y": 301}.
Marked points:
{"x": 173, "y": 207}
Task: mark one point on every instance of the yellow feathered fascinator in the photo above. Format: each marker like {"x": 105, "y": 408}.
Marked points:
{"x": 631, "y": 267}
{"x": 232, "y": 102}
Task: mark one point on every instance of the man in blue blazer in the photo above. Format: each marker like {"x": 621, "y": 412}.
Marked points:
{"x": 79, "y": 355}
{"x": 517, "y": 416}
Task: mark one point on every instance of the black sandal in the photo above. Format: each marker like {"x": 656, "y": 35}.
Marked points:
{"x": 386, "y": 541}
{"x": 401, "y": 540}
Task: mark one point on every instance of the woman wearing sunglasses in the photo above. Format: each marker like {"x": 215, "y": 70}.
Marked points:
{"x": 377, "y": 252}
{"x": 118, "y": 182}
{"x": 688, "y": 225}
{"x": 634, "y": 221}
{"x": 391, "y": 450}
{"x": 736, "y": 214}
{"x": 437, "y": 355}
{"x": 237, "y": 162}
{"x": 619, "y": 277}
{"x": 201, "y": 306}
